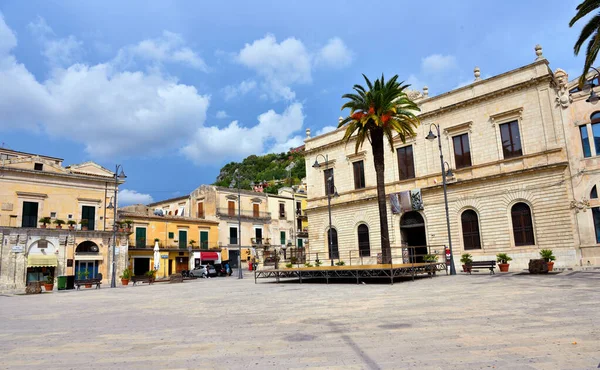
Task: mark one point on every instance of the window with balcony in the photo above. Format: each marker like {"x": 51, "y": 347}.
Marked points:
{"x": 359, "y": 174}
{"x": 329, "y": 182}
{"x": 511, "y": 140}
{"x": 462, "y": 151}
{"x": 140, "y": 237}
{"x": 406, "y": 164}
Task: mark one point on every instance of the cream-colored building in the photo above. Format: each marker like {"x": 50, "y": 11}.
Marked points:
{"x": 512, "y": 190}
{"x": 33, "y": 187}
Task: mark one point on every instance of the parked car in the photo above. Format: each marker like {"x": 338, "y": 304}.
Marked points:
{"x": 199, "y": 271}
{"x": 212, "y": 272}
{"x": 221, "y": 269}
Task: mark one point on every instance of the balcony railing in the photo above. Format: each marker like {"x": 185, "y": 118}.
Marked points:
{"x": 227, "y": 212}
{"x": 282, "y": 215}
{"x": 300, "y": 213}
{"x": 303, "y": 233}
{"x": 146, "y": 244}
{"x": 261, "y": 241}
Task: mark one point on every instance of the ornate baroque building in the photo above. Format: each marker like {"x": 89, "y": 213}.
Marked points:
{"x": 523, "y": 176}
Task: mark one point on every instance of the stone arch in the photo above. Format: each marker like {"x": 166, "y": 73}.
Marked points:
{"x": 87, "y": 247}
{"x": 512, "y": 196}
{"x": 462, "y": 204}
{"x": 49, "y": 249}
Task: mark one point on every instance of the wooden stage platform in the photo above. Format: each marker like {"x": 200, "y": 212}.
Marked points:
{"x": 354, "y": 273}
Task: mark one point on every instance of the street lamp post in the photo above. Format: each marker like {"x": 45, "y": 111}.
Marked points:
{"x": 121, "y": 176}
{"x": 593, "y": 98}
{"x": 329, "y": 195}
{"x": 236, "y": 181}
{"x": 431, "y": 136}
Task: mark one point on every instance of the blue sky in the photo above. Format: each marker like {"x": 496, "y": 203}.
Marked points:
{"x": 174, "y": 90}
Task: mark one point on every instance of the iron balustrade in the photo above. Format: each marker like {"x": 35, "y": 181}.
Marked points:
{"x": 227, "y": 213}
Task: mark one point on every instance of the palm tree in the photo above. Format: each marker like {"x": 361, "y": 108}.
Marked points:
{"x": 590, "y": 31}
{"x": 383, "y": 110}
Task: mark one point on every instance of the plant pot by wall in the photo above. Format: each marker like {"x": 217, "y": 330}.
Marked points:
{"x": 49, "y": 287}
{"x": 503, "y": 267}
{"x": 84, "y": 228}
{"x": 466, "y": 268}
{"x": 550, "y": 266}
{"x": 125, "y": 281}
{"x": 42, "y": 226}
{"x": 88, "y": 285}
{"x": 58, "y": 227}
{"x": 71, "y": 227}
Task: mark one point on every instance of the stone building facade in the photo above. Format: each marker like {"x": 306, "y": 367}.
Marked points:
{"x": 35, "y": 186}
{"x": 504, "y": 140}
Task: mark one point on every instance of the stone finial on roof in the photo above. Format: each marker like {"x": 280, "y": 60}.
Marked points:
{"x": 538, "y": 52}
{"x": 425, "y": 91}
{"x": 308, "y": 133}
{"x": 477, "y": 74}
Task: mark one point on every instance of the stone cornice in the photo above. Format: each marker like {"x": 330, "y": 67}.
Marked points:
{"x": 91, "y": 178}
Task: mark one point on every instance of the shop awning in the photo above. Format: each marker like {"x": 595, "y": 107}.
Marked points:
{"x": 88, "y": 257}
{"x": 209, "y": 256}
{"x": 41, "y": 260}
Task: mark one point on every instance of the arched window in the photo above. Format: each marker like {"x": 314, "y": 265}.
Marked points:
{"x": 594, "y": 193}
{"x": 522, "y": 224}
{"x": 364, "y": 247}
{"x": 595, "y": 117}
{"x": 333, "y": 244}
{"x": 470, "y": 229}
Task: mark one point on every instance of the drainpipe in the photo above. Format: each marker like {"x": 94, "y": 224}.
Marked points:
{"x": 105, "y": 195}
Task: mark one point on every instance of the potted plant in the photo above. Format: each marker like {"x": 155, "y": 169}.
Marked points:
{"x": 44, "y": 221}
{"x": 71, "y": 224}
{"x": 152, "y": 275}
{"x": 128, "y": 223}
{"x": 59, "y": 223}
{"x": 318, "y": 263}
{"x": 431, "y": 259}
{"x": 120, "y": 225}
{"x": 340, "y": 263}
{"x": 192, "y": 242}
{"x": 466, "y": 259}
{"x": 84, "y": 224}
{"x": 49, "y": 284}
{"x": 86, "y": 275}
{"x": 547, "y": 255}
{"x": 503, "y": 259}
{"x": 289, "y": 265}
{"x": 125, "y": 276}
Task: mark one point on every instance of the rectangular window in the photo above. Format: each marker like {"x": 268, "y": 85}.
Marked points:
{"x": 200, "y": 210}
{"x": 329, "y": 182}
{"x": 38, "y": 166}
{"x": 203, "y": 239}
{"x": 511, "y": 140}
{"x": 596, "y": 133}
{"x": 140, "y": 237}
{"x": 30, "y": 214}
{"x": 406, "y": 164}
{"x": 585, "y": 141}
{"x": 282, "y": 235}
{"x": 282, "y": 210}
{"x": 298, "y": 206}
{"x": 233, "y": 235}
{"x": 299, "y": 224}
{"x": 462, "y": 151}
{"x": 171, "y": 235}
{"x": 182, "y": 239}
{"x": 255, "y": 210}
{"x": 359, "y": 174}
{"x": 52, "y": 214}
{"x": 89, "y": 213}
{"x": 231, "y": 208}
{"x": 596, "y": 215}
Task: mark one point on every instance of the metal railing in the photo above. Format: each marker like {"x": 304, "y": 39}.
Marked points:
{"x": 261, "y": 241}
{"x": 227, "y": 212}
{"x": 399, "y": 255}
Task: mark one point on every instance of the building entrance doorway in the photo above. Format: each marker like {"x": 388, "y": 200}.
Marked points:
{"x": 182, "y": 264}
{"x": 412, "y": 230}
{"x": 141, "y": 266}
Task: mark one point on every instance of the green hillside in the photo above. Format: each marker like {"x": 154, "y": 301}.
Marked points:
{"x": 268, "y": 168}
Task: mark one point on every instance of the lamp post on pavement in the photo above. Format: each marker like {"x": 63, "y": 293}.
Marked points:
{"x": 431, "y": 136}
{"x": 121, "y": 176}
{"x": 329, "y": 196}
{"x": 236, "y": 181}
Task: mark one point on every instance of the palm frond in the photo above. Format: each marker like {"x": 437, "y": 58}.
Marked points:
{"x": 584, "y": 9}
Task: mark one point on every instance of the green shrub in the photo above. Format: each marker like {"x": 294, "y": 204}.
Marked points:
{"x": 289, "y": 265}
{"x": 308, "y": 264}
{"x": 466, "y": 259}
{"x": 318, "y": 263}
{"x": 547, "y": 255}
{"x": 430, "y": 258}
{"x": 503, "y": 258}
{"x": 340, "y": 263}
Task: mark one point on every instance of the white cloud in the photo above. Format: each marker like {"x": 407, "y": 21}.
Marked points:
{"x": 282, "y": 65}
{"x": 437, "y": 63}
{"x": 415, "y": 83}
{"x": 221, "y": 114}
{"x": 169, "y": 48}
{"x": 325, "y": 130}
{"x": 235, "y": 141}
{"x": 110, "y": 111}
{"x": 335, "y": 54}
{"x": 292, "y": 142}
{"x": 243, "y": 88}
{"x": 128, "y": 197}
{"x": 58, "y": 51}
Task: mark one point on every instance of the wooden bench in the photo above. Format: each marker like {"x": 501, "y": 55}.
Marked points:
{"x": 95, "y": 281}
{"x": 483, "y": 264}
{"x": 140, "y": 279}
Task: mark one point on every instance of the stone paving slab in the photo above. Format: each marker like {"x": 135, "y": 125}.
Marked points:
{"x": 461, "y": 322}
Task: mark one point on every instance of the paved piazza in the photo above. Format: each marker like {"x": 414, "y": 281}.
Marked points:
{"x": 462, "y": 322}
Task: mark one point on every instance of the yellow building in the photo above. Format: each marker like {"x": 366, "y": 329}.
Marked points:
{"x": 33, "y": 187}
{"x": 183, "y": 241}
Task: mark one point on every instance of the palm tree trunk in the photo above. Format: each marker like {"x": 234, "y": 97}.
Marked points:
{"x": 378, "y": 161}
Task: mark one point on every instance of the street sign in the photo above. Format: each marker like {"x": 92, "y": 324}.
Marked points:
{"x": 164, "y": 256}
{"x": 18, "y": 248}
